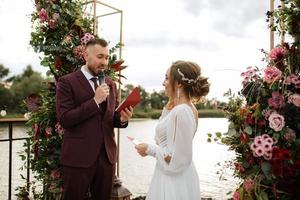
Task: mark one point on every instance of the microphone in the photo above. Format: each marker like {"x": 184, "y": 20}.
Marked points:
{"x": 101, "y": 77}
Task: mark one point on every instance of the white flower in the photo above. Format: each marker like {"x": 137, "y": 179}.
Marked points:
{"x": 27, "y": 115}
{"x": 3, "y": 113}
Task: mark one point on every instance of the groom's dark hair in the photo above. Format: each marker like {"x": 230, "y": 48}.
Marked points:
{"x": 98, "y": 41}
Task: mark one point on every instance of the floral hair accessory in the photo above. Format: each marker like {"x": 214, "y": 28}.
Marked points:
{"x": 186, "y": 79}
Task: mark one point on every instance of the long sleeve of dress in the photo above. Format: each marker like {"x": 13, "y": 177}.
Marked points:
{"x": 180, "y": 132}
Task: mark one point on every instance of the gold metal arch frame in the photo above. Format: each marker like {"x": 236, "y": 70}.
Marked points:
{"x": 96, "y": 17}
{"x": 272, "y": 37}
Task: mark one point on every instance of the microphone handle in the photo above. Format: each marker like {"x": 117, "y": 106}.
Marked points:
{"x": 101, "y": 78}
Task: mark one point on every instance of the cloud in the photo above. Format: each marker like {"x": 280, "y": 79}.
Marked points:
{"x": 230, "y": 17}
{"x": 163, "y": 40}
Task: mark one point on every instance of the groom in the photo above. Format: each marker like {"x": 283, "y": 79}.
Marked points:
{"x": 86, "y": 110}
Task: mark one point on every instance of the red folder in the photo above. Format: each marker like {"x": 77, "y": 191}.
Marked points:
{"x": 132, "y": 100}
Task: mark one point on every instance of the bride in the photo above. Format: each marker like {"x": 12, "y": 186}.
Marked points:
{"x": 175, "y": 176}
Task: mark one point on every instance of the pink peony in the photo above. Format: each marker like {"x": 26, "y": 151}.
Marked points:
{"x": 294, "y": 99}
{"x": 271, "y": 74}
{"x": 276, "y": 121}
{"x": 249, "y": 185}
{"x": 277, "y": 53}
{"x": 276, "y": 101}
{"x": 43, "y": 15}
{"x": 236, "y": 195}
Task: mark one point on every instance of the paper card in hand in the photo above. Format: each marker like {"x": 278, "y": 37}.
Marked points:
{"x": 132, "y": 100}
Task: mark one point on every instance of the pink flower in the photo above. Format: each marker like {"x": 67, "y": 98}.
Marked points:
{"x": 52, "y": 23}
{"x": 294, "y": 99}
{"x": 262, "y": 146}
{"x": 290, "y": 135}
{"x": 59, "y": 129}
{"x": 276, "y": 121}
{"x": 48, "y": 132}
{"x": 87, "y": 37}
{"x": 43, "y": 15}
{"x": 276, "y": 101}
{"x": 55, "y": 16}
{"x": 239, "y": 167}
{"x": 292, "y": 79}
{"x": 248, "y": 185}
{"x": 267, "y": 113}
{"x": 236, "y": 195}
{"x": 277, "y": 53}
{"x": 259, "y": 151}
{"x": 67, "y": 39}
{"x": 249, "y": 75}
{"x": 271, "y": 74}
{"x": 79, "y": 51}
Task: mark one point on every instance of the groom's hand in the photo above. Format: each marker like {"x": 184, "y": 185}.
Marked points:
{"x": 126, "y": 114}
{"x": 142, "y": 148}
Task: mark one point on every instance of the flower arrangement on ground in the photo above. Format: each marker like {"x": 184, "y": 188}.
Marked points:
{"x": 264, "y": 128}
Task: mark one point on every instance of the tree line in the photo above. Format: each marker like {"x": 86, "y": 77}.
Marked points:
{"x": 14, "y": 90}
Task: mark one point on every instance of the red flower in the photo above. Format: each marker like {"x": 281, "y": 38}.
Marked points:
{"x": 58, "y": 63}
{"x": 239, "y": 167}
{"x": 117, "y": 66}
{"x": 249, "y": 119}
{"x": 281, "y": 154}
{"x": 244, "y": 137}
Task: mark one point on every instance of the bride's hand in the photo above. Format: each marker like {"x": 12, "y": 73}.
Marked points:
{"x": 142, "y": 148}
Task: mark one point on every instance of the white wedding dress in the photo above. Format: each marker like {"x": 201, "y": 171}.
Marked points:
{"x": 177, "y": 180}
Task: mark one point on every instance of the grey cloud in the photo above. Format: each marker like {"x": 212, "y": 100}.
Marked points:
{"x": 164, "y": 40}
{"x": 231, "y": 16}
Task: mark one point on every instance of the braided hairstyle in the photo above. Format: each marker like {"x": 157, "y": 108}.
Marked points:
{"x": 188, "y": 74}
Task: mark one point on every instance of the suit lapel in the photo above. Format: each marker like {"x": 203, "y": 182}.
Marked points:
{"x": 84, "y": 82}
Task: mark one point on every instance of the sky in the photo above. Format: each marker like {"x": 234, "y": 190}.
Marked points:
{"x": 223, "y": 37}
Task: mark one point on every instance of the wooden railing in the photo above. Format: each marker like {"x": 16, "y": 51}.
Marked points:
{"x": 11, "y": 122}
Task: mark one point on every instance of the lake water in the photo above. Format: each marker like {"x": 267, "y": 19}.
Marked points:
{"x": 136, "y": 171}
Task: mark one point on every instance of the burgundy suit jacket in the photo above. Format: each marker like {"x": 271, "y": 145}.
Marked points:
{"x": 87, "y": 127}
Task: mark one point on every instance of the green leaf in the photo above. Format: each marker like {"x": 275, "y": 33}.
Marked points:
{"x": 209, "y": 134}
{"x": 218, "y": 134}
{"x": 231, "y": 132}
{"x": 208, "y": 140}
{"x": 266, "y": 168}
{"x": 248, "y": 130}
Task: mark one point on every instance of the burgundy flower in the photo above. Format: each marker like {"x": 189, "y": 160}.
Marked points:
{"x": 244, "y": 137}
{"x": 281, "y": 154}
{"x": 55, "y": 174}
{"x": 249, "y": 119}
{"x": 239, "y": 167}
{"x": 276, "y": 101}
{"x": 58, "y": 63}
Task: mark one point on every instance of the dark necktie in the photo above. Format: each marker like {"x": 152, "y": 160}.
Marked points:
{"x": 94, "y": 79}
{"x": 103, "y": 104}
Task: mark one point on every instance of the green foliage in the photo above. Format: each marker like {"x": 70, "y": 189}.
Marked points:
{"x": 3, "y": 71}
